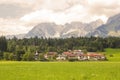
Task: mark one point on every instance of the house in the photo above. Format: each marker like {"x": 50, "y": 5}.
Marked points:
{"x": 36, "y": 55}
{"x": 95, "y": 56}
{"x": 66, "y": 53}
{"x": 82, "y": 57}
{"x": 50, "y": 55}
{"x": 61, "y": 57}
{"x": 72, "y": 56}
{"x": 77, "y": 52}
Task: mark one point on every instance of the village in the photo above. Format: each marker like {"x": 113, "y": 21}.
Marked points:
{"x": 75, "y": 55}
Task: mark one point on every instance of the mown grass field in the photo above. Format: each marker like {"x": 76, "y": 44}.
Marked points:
{"x": 59, "y": 70}
{"x": 87, "y": 70}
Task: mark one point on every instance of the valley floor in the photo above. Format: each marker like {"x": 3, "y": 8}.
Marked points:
{"x": 84, "y": 70}
{"x": 104, "y": 70}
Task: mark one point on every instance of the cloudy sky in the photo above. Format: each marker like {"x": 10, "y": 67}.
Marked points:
{"x": 19, "y": 16}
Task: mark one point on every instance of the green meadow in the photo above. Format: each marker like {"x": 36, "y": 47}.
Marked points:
{"x": 115, "y": 54}
{"x": 86, "y": 70}
{"x": 59, "y": 70}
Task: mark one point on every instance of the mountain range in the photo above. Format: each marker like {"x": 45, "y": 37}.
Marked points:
{"x": 75, "y": 29}
{"x": 111, "y": 28}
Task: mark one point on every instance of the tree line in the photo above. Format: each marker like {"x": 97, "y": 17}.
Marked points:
{"x": 24, "y": 49}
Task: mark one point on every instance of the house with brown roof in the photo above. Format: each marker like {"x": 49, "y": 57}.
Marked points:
{"x": 74, "y": 55}
{"x": 82, "y": 57}
{"x": 50, "y": 55}
{"x": 95, "y": 56}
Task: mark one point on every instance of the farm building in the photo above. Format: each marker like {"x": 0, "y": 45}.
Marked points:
{"x": 51, "y": 55}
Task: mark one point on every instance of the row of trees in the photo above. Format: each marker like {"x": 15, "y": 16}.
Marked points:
{"x": 23, "y": 49}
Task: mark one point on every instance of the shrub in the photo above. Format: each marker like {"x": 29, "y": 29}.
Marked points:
{"x": 28, "y": 57}
{"x": 11, "y": 56}
{"x": 6, "y": 56}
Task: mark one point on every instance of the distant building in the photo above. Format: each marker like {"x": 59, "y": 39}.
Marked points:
{"x": 72, "y": 55}
{"x": 79, "y": 55}
{"x": 95, "y": 56}
{"x": 51, "y": 55}
{"x": 61, "y": 57}
{"x": 36, "y": 55}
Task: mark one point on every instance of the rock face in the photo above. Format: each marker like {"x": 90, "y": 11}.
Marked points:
{"x": 45, "y": 30}
{"x": 111, "y": 28}
{"x": 74, "y": 29}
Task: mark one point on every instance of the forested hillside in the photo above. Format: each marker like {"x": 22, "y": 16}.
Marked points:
{"x": 19, "y": 47}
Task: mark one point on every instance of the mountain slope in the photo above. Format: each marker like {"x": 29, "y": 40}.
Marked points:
{"x": 77, "y": 29}
{"x": 45, "y": 30}
{"x": 52, "y": 30}
{"x": 111, "y": 28}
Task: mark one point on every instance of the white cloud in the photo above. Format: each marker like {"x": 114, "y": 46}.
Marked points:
{"x": 58, "y": 11}
{"x": 10, "y": 27}
{"x": 75, "y": 13}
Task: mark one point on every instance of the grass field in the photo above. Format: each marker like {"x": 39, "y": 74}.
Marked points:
{"x": 59, "y": 70}
{"x": 114, "y": 52}
{"x": 86, "y": 70}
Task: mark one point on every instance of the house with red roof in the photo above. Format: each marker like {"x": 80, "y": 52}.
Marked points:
{"x": 95, "y": 56}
